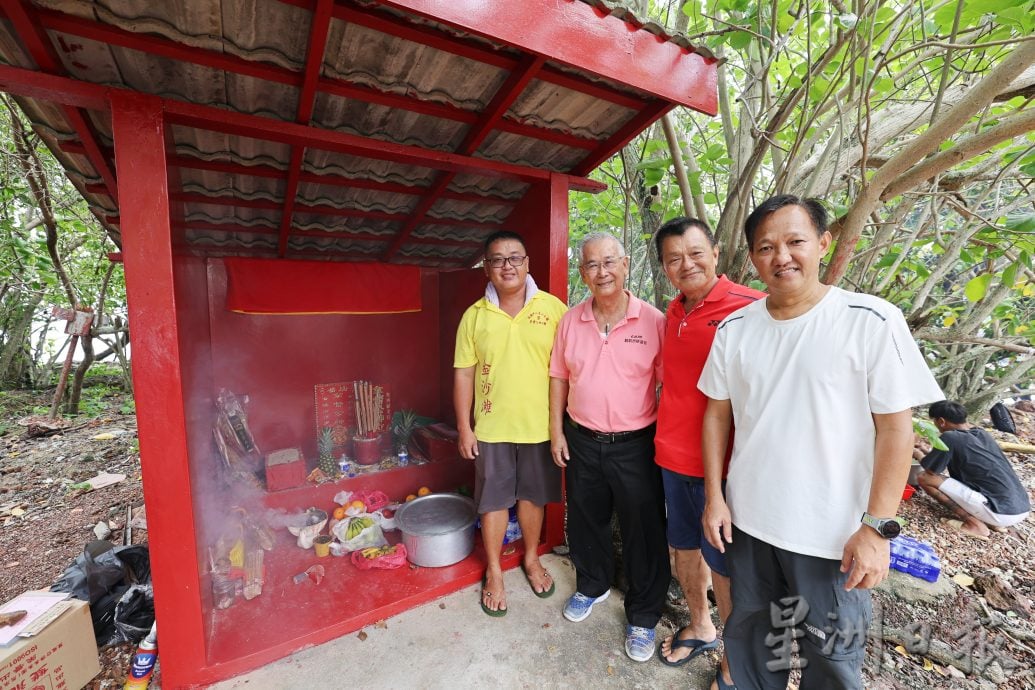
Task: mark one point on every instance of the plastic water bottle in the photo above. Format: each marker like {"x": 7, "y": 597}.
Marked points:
{"x": 513, "y": 532}
{"x": 143, "y": 666}
{"x": 917, "y": 558}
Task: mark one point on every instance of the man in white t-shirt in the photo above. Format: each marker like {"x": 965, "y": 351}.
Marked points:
{"x": 819, "y": 383}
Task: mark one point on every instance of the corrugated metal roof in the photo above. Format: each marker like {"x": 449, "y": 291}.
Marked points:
{"x": 386, "y": 75}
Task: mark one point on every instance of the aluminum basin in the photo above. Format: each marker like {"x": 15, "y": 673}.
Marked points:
{"x": 438, "y": 530}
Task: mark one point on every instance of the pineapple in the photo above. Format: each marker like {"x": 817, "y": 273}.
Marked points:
{"x": 404, "y": 422}
{"x": 325, "y": 444}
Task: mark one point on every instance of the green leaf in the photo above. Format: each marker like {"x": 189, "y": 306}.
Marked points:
{"x": 846, "y": 21}
{"x": 1021, "y": 222}
{"x": 710, "y": 198}
{"x": 659, "y": 163}
{"x": 1010, "y": 275}
{"x": 714, "y": 151}
{"x": 739, "y": 40}
{"x": 884, "y": 14}
{"x": 929, "y": 432}
{"x": 977, "y": 287}
{"x": 889, "y": 258}
{"x": 1020, "y": 17}
{"x": 652, "y": 176}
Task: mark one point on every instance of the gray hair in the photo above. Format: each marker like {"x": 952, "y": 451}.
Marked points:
{"x": 598, "y": 236}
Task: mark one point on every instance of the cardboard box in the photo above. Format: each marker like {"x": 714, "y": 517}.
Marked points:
{"x": 63, "y": 656}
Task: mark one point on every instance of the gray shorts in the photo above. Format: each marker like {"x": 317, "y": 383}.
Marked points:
{"x": 505, "y": 473}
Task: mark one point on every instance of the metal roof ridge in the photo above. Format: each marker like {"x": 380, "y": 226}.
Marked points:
{"x": 620, "y": 11}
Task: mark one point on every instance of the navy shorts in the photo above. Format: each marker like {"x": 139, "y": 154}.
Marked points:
{"x": 684, "y": 499}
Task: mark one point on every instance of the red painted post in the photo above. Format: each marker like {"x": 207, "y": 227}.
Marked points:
{"x": 557, "y": 285}
{"x": 140, "y": 159}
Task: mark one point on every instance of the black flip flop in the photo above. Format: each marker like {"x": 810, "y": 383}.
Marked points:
{"x": 696, "y": 646}
{"x": 720, "y": 682}
{"x": 498, "y": 613}
{"x": 544, "y": 594}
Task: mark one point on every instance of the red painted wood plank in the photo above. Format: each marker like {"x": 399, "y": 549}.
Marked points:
{"x": 158, "y": 387}
{"x": 326, "y": 234}
{"x": 36, "y": 41}
{"x": 320, "y": 24}
{"x": 643, "y": 119}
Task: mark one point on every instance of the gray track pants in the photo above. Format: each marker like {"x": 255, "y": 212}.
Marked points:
{"x": 779, "y": 597}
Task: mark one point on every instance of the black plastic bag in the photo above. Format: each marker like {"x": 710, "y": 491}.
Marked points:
{"x": 100, "y": 576}
{"x": 1002, "y": 419}
{"x": 135, "y": 613}
{"x": 93, "y": 574}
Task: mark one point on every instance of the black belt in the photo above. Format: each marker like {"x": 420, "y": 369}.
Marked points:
{"x": 609, "y": 437}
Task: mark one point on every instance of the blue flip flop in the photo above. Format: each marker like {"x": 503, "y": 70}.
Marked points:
{"x": 696, "y": 647}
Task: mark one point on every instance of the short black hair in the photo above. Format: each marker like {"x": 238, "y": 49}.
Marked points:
{"x": 677, "y": 227}
{"x": 948, "y": 410}
{"x": 813, "y": 207}
{"x": 502, "y": 235}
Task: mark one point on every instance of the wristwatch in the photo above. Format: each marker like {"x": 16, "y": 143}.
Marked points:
{"x": 889, "y": 528}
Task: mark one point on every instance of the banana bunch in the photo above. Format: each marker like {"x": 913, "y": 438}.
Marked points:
{"x": 357, "y": 525}
{"x": 377, "y": 551}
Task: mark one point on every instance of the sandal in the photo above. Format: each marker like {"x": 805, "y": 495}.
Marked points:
{"x": 720, "y": 682}
{"x": 545, "y": 593}
{"x": 696, "y": 647}
{"x": 495, "y": 613}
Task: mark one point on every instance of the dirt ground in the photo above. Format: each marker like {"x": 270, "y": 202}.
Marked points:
{"x": 46, "y": 522}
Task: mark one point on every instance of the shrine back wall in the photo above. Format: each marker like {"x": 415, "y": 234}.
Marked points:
{"x": 276, "y": 360}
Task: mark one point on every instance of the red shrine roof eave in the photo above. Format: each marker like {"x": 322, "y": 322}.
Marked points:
{"x": 402, "y": 130}
{"x": 577, "y": 32}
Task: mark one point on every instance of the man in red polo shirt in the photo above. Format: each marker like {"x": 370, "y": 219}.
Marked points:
{"x": 604, "y": 371}
{"x": 689, "y": 257}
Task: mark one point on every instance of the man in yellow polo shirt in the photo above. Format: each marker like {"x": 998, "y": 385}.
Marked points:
{"x": 501, "y": 374}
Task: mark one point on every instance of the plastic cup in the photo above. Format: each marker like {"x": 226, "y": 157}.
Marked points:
{"x": 322, "y": 545}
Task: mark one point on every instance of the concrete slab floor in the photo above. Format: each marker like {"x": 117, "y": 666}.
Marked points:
{"x": 450, "y": 643}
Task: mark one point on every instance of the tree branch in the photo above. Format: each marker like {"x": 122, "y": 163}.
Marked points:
{"x": 940, "y": 335}
{"x": 965, "y": 149}
{"x": 853, "y": 222}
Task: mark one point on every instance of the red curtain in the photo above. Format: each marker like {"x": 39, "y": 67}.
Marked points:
{"x": 278, "y": 286}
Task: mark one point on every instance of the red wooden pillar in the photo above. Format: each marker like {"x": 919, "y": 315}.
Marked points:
{"x": 556, "y": 211}
{"x": 139, "y": 132}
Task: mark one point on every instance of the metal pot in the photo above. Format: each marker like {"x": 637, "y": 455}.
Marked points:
{"x": 438, "y": 530}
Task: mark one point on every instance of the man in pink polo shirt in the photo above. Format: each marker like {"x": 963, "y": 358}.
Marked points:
{"x": 689, "y": 256}
{"x": 604, "y": 372}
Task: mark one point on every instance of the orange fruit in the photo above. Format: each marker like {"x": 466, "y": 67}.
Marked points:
{"x": 358, "y": 505}
{"x": 423, "y": 491}
{"x": 339, "y": 513}
{"x": 411, "y": 497}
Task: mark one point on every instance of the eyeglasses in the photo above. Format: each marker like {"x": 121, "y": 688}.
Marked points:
{"x": 608, "y": 264}
{"x": 498, "y": 261}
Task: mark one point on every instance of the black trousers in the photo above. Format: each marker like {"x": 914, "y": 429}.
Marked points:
{"x": 619, "y": 477}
